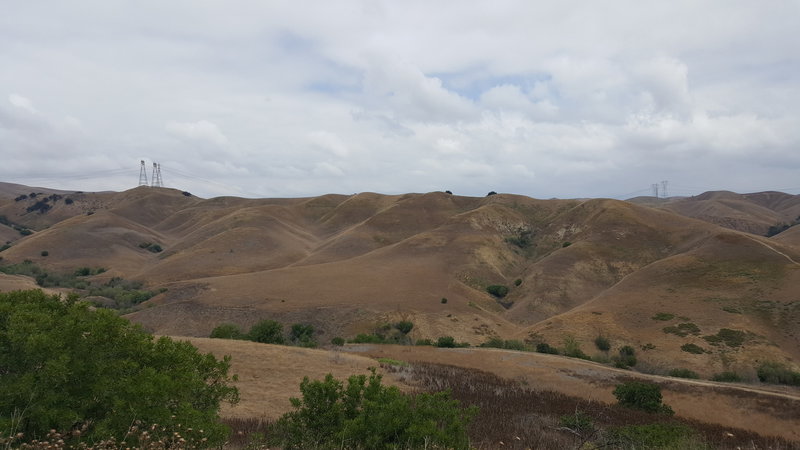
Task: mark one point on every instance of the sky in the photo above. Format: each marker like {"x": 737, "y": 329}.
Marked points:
{"x": 547, "y": 99}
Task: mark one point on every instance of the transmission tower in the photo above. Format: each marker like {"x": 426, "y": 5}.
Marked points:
{"x": 159, "y": 181}
{"x": 664, "y": 188}
{"x": 142, "y": 175}
{"x": 654, "y": 187}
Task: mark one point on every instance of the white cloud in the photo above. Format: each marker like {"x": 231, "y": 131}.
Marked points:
{"x": 202, "y": 130}
{"x": 22, "y": 103}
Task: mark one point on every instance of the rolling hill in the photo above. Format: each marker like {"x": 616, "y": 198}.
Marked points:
{"x": 575, "y": 269}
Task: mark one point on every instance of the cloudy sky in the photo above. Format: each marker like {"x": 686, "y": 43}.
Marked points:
{"x": 301, "y": 98}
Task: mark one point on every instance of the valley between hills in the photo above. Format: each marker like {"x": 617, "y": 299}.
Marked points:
{"x": 689, "y": 283}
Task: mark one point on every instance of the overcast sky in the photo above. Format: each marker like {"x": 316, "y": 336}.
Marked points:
{"x": 302, "y": 98}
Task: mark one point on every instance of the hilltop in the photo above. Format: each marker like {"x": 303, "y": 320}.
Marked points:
{"x": 347, "y": 264}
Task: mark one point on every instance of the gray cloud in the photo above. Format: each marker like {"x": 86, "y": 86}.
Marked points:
{"x": 274, "y": 99}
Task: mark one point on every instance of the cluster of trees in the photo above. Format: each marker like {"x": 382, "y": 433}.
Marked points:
{"x": 268, "y": 332}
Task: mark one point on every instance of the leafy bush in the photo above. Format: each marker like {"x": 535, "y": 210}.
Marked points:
{"x": 602, "y": 343}
{"x": 693, "y": 348}
{"x": 777, "y": 373}
{"x": 544, "y": 347}
{"x": 45, "y": 253}
{"x": 572, "y": 348}
{"x": 508, "y": 345}
{"x": 66, "y": 366}
{"x": 566, "y": 244}
{"x": 363, "y": 338}
{"x": 497, "y": 290}
{"x": 518, "y": 281}
{"x": 731, "y": 338}
{"x": 641, "y": 395}
{"x": 186, "y": 194}
{"x": 684, "y": 373}
{"x": 444, "y": 300}
{"x": 580, "y": 422}
{"x": 267, "y": 332}
{"x": 404, "y": 326}
{"x": 366, "y": 414}
{"x": 338, "y": 340}
{"x": 423, "y": 342}
{"x": 227, "y": 331}
{"x": 626, "y": 358}
{"x": 663, "y": 316}
{"x": 727, "y": 377}
{"x": 151, "y": 247}
{"x": 491, "y": 193}
{"x": 69, "y": 201}
{"x": 446, "y": 342}
{"x": 302, "y": 335}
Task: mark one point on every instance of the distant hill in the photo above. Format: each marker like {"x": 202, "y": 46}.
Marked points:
{"x": 349, "y": 263}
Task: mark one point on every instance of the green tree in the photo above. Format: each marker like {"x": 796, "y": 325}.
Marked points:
{"x": 366, "y": 414}
{"x": 64, "y": 366}
{"x": 227, "y": 331}
{"x": 641, "y": 395}
{"x": 302, "y": 335}
{"x": 267, "y": 332}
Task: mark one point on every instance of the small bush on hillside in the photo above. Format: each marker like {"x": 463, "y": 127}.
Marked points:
{"x": 580, "y": 422}
{"x": 267, "y": 332}
{"x": 444, "y": 300}
{"x": 602, "y": 343}
{"x": 69, "y": 201}
{"x": 151, "y": 247}
{"x": 641, "y": 395}
{"x": 423, "y": 342}
{"x": 731, "y": 338}
{"x": 683, "y": 329}
{"x": 446, "y": 342}
{"x": 491, "y": 193}
{"x": 45, "y": 253}
{"x": 366, "y": 414}
{"x": 302, "y": 335}
{"x": 363, "y": 338}
{"x": 227, "y": 331}
{"x": 497, "y": 290}
{"x": 727, "y": 377}
{"x": 684, "y": 373}
{"x": 777, "y": 373}
{"x": 404, "y": 326}
{"x": 626, "y": 358}
{"x": 508, "y": 345}
{"x": 663, "y": 316}
{"x": 566, "y": 244}
{"x": 572, "y": 348}
{"x": 544, "y": 347}
{"x": 518, "y": 281}
{"x": 693, "y": 348}
{"x": 338, "y": 341}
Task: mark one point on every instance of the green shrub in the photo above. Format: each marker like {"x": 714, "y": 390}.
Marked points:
{"x": 302, "y": 335}
{"x": 267, "y": 332}
{"x": 693, "y": 348}
{"x": 663, "y": 316}
{"x": 626, "y": 358}
{"x": 544, "y": 347}
{"x": 497, "y": 290}
{"x": 777, "y": 373}
{"x": 731, "y": 338}
{"x": 65, "y": 365}
{"x": 684, "y": 373}
{"x": 363, "y": 338}
{"x": 151, "y": 247}
{"x": 641, "y": 395}
{"x": 45, "y": 253}
{"x": 518, "y": 281}
{"x": 580, "y": 422}
{"x": 446, "y": 342}
{"x": 392, "y": 362}
{"x": 602, "y": 343}
{"x": 423, "y": 342}
{"x": 339, "y": 341}
{"x": 566, "y": 244}
{"x": 366, "y": 414}
{"x": 444, "y": 300}
{"x": 572, "y": 348}
{"x": 727, "y": 377}
{"x": 508, "y": 345}
{"x": 227, "y": 331}
{"x": 404, "y": 326}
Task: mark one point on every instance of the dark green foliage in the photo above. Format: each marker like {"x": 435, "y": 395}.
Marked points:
{"x": 497, "y": 290}
{"x": 186, "y": 194}
{"x": 5, "y": 247}
{"x": 423, "y": 342}
{"x": 363, "y": 338}
{"x": 641, "y": 395}
{"x": 88, "y": 271}
{"x": 45, "y": 253}
{"x": 566, "y": 244}
{"x": 448, "y": 192}
{"x": 227, "y": 331}
{"x": 24, "y": 231}
{"x": 683, "y": 329}
{"x": 580, "y": 422}
{"x": 267, "y": 332}
{"x": 626, "y": 358}
{"x": 68, "y": 201}
{"x": 728, "y": 377}
{"x": 523, "y": 239}
{"x": 731, "y": 338}
{"x": 654, "y": 435}
{"x": 42, "y": 206}
{"x": 338, "y": 341}
{"x": 491, "y": 193}
{"x": 692, "y": 348}
{"x": 151, "y": 247}
{"x": 777, "y": 373}
{"x": 444, "y": 300}
{"x": 446, "y": 342}
{"x": 365, "y": 414}
{"x": 684, "y": 373}
{"x": 404, "y": 326}
{"x": 302, "y": 335}
{"x": 65, "y": 366}
{"x": 572, "y": 348}
{"x": 663, "y": 316}
{"x": 544, "y": 347}
{"x": 508, "y": 345}
{"x": 518, "y": 281}
{"x": 602, "y": 343}
{"x": 21, "y": 197}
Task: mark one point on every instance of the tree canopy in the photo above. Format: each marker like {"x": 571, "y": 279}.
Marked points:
{"x": 65, "y": 366}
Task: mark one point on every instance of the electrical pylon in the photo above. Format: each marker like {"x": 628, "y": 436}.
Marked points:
{"x": 142, "y": 175}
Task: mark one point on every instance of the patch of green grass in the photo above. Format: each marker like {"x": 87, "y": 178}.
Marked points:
{"x": 683, "y": 329}
{"x": 663, "y": 316}
{"x": 684, "y": 373}
{"x": 655, "y": 435}
{"x": 392, "y": 362}
{"x": 693, "y": 348}
{"x": 731, "y": 338}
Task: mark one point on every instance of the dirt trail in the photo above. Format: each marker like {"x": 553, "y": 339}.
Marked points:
{"x": 773, "y": 410}
{"x": 774, "y": 250}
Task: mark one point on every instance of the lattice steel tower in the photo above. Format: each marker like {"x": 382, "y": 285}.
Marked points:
{"x": 142, "y": 175}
